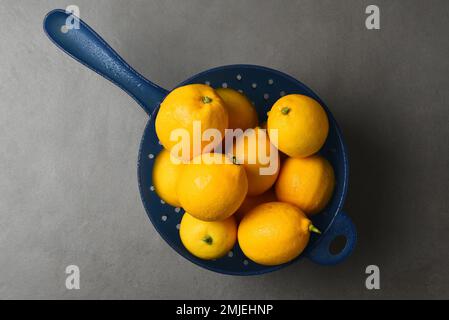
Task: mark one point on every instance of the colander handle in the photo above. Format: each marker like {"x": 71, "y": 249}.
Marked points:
{"x": 82, "y": 43}
{"x": 341, "y": 226}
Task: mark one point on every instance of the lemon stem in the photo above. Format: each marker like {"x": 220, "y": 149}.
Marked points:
{"x": 206, "y": 100}
{"x": 234, "y": 160}
{"x": 312, "y": 228}
{"x": 208, "y": 239}
{"x": 285, "y": 110}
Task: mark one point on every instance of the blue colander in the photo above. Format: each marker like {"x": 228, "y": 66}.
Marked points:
{"x": 261, "y": 85}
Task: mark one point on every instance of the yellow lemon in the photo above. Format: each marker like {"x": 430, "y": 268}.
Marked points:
{"x": 242, "y": 113}
{"x": 207, "y": 239}
{"x": 306, "y": 182}
{"x": 301, "y": 124}
{"x": 274, "y": 233}
{"x": 251, "y": 202}
{"x": 184, "y": 108}
{"x": 211, "y": 187}
{"x": 260, "y": 159}
{"x": 165, "y": 177}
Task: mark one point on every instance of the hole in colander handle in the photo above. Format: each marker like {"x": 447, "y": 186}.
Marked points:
{"x": 341, "y": 226}
{"x": 86, "y": 46}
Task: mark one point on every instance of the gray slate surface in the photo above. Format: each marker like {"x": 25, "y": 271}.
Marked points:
{"x": 69, "y": 143}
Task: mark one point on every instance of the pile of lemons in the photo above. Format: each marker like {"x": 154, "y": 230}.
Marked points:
{"x": 224, "y": 195}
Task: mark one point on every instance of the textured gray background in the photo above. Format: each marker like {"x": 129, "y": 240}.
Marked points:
{"x": 69, "y": 143}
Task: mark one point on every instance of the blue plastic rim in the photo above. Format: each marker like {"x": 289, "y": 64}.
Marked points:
{"x": 263, "y": 86}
